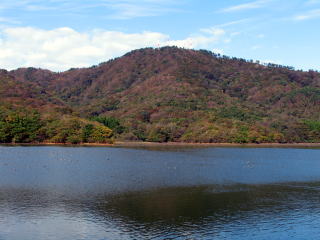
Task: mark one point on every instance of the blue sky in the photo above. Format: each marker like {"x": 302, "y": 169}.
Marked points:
{"x": 59, "y": 34}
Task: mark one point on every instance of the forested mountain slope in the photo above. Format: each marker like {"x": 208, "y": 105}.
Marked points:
{"x": 173, "y": 94}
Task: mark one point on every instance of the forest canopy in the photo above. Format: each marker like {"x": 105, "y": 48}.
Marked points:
{"x": 164, "y": 94}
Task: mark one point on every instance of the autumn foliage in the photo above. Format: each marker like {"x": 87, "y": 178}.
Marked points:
{"x": 165, "y": 94}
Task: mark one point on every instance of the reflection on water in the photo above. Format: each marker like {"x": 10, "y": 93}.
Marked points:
{"x": 111, "y": 193}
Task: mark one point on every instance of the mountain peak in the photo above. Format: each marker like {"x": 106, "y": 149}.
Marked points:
{"x": 176, "y": 94}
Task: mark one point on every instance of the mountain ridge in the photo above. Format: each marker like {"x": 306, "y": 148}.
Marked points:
{"x": 174, "y": 94}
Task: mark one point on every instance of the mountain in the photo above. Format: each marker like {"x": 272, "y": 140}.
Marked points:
{"x": 174, "y": 94}
{"x": 31, "y": 113}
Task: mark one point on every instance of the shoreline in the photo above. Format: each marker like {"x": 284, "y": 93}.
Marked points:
{"x": 182, "y": 144}
{"x": 168, "y": 144}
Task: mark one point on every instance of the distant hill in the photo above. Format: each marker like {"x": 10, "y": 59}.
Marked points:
{"x": 174, "y": 94}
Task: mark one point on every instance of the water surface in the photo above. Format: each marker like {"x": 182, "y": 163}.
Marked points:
{"x": 168, "y": 193}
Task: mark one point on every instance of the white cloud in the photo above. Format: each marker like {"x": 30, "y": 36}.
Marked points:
{"x": 127, "y": 9}
{"x": 246, "y": 6}
{"x": 117, "y": 9}
{"x": 214, "y": 31}
{"x": 227, "y": 24}
{"x": 63, "y": 48}
{"x": 312, "y": 2}
{"x": 217, "y": 50}
{"x": 308, "y": 15}
{"x": 8, "y": 20}
{"x": 271, "y": 61}
{"x": 131, "y": 10}
{"x": 256, "y": 47}
{"x": 39, "y": 8}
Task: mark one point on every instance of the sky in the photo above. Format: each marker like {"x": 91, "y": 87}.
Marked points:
{"x": 63, "y": 34}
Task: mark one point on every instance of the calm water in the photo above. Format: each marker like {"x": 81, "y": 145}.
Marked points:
{"x": 78, "y": 193}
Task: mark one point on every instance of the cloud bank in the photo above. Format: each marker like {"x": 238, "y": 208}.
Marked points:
{"x": 63, "y": 48}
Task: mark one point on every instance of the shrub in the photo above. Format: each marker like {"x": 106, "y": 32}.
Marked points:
{"x": 101, "y": 134}
{"x": 110, "y": 122}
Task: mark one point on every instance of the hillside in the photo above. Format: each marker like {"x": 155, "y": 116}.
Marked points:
{"x": 30, "y": 113}
{"x": 173, "y": 94}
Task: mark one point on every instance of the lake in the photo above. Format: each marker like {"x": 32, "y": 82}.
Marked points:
{"x": 75, "y": 193}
